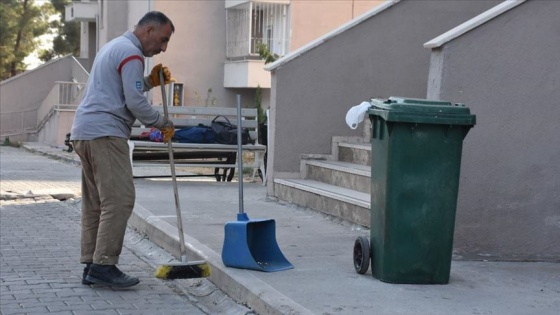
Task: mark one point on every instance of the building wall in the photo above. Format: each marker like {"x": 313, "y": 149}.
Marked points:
{"x": 87, "y": 43}
{"x": 312, "y": 19}
{"x": 113, "y": 18}
{"x": 381, "y": 56}
{"x": 197, "y": 52}
{"x": 507, "y": 71}
{"x": 55, "y": 130}
{"x": 135, "y": 11}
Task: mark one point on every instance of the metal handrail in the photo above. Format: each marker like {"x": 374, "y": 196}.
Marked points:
{"x": 19, "y": 120}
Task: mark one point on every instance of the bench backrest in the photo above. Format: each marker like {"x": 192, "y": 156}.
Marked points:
{"x": 188, "y": 116}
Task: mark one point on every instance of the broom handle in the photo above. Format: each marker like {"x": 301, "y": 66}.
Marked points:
{"x": 239, "y": 154}
{"x": 182, "y": 248}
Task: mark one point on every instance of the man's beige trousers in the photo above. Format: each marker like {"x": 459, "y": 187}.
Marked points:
{"x": 107, "y": 198}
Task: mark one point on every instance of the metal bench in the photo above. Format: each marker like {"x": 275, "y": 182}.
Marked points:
{"x": 222, "y": 157}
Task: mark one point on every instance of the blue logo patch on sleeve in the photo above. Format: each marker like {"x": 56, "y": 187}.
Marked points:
{"x": 139, "y": 85}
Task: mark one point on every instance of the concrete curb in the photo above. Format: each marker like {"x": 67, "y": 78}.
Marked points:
{"x": 239, "y": 284}
{"x": 54, "y": 153}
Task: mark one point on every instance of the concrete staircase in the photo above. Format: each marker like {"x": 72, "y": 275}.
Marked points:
{"x": 337, "y": 184}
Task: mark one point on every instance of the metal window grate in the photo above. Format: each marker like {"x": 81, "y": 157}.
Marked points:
{"x": 253, "y": 23}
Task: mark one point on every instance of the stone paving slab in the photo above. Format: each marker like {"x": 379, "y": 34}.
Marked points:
{"x": 40, "y": 243}
{"x": 33, "y": 175}
{"x": 41, "y": 273}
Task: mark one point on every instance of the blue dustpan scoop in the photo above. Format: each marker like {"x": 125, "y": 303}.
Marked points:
{"x": 251, "y": 244}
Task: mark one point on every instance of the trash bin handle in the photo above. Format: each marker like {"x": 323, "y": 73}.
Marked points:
{"x": 376, "y": 102}
{"x": 376, "y": 126}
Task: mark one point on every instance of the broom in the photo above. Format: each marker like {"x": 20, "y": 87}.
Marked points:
{"x": 183, "y": 269}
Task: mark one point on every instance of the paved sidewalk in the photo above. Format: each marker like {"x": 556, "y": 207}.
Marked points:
{"x": 40, "y": 245}
{"x": 40, "y": 275}
{"x": 323, "y": 280}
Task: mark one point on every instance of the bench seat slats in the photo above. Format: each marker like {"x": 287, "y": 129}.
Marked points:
{"x": 149, "y": 153}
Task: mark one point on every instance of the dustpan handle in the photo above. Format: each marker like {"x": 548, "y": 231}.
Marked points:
{"x": 239, "y": 154}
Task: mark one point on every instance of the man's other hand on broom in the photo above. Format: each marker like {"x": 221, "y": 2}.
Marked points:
{"x": 168, "y": 131}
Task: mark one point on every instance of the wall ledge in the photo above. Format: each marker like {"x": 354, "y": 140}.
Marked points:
{"x": 472, "y": 23}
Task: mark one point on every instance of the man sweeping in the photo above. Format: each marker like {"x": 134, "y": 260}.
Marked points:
{"x": 113, "y": 100}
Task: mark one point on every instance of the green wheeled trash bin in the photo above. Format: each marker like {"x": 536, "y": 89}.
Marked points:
{"x": 416, "y": 151}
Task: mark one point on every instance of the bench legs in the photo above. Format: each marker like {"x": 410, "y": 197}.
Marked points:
{"x": 259, "y": 164}
{"x": 228, "y": 172}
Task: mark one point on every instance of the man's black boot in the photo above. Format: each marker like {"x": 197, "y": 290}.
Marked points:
{"x": 110, "y": 275}
{"x": 84, "y": 275}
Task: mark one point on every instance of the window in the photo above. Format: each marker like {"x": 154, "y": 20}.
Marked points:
{"x": 253, "y": 23}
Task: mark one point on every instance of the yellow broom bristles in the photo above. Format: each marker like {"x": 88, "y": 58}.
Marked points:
{"x": 183, "y": 271}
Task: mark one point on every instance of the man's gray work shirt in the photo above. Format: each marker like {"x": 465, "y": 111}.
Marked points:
{"x": 114, "y": 96}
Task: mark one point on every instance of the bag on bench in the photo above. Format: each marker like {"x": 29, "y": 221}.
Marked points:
{"x": 197, "y": 134}
{"x": 226, "y": 132}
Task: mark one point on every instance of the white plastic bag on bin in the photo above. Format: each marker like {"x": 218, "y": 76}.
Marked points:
{"x": 356, "y": 114}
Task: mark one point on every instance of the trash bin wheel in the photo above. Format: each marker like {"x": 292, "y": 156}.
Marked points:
{"x": 361, "y": 254}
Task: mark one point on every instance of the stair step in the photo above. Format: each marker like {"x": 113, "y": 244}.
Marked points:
{"x": 358, "y": 153}
{"x": 352, "y": 168}
{"x": 340, "y": 202}
{"x": 343, "y": 174}
{"x": 362, "y": 146}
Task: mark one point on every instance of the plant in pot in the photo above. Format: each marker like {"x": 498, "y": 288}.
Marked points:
{"x": 268, "y": 57}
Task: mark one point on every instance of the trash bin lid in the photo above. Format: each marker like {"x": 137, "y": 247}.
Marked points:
{"x": 398, "y": 109}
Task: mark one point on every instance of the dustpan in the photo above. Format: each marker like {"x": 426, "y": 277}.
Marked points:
{"x": 251, "y": 244}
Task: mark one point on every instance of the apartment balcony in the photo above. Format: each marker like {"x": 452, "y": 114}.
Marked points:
{"x": 252, "y": 25}
{"x": 246, "y": 74}
{"x": 81, "y": 12}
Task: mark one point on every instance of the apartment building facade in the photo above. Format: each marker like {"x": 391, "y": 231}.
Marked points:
{"x": 214, "y": 52}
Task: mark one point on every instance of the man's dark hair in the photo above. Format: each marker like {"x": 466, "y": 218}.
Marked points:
{"x": 157, "y": 18}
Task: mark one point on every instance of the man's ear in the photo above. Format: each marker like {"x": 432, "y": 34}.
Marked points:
{"x": 149, "y": 29}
